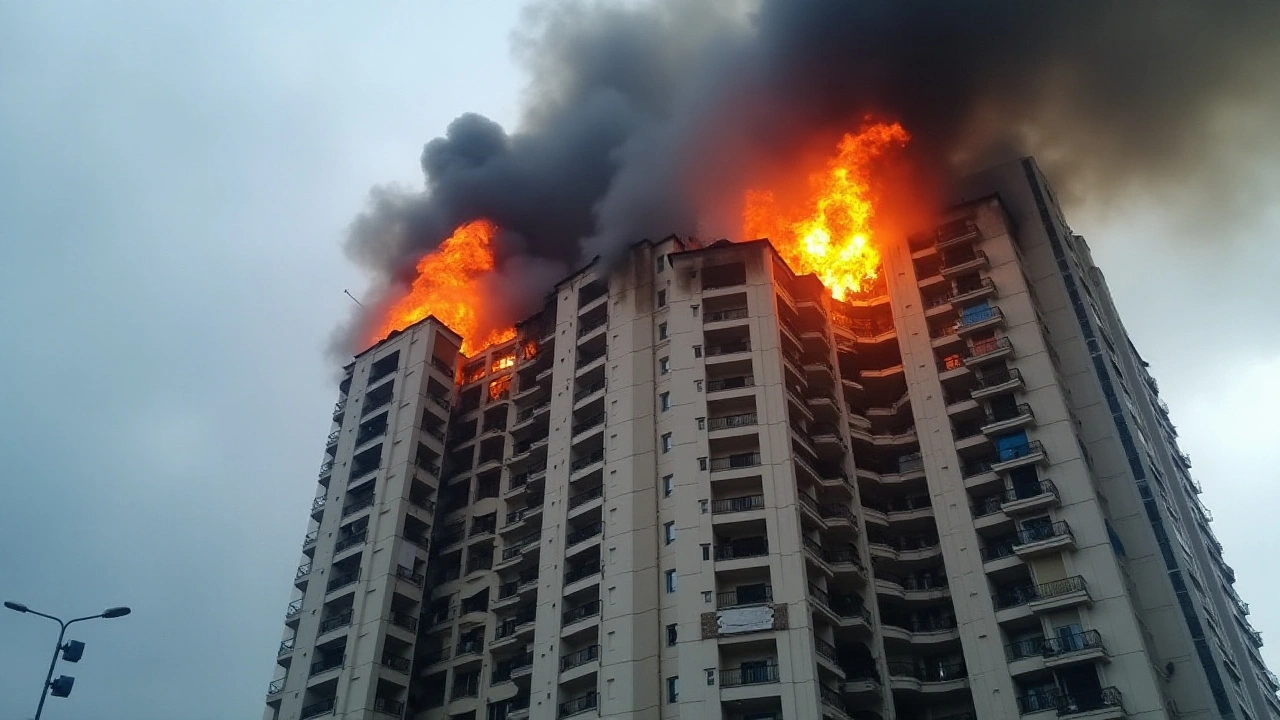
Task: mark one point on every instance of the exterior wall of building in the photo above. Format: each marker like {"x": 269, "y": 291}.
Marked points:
{"x": 697, "y": 486}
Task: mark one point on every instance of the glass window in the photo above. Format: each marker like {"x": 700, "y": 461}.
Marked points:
{"x": 673, "y": 689}
{"x": 668, "y": 485}
{"x": 666, "y": 442}
{"x": 669, "y": 532}
{"x": 662, "y": 331}
{"x": 671, "y": 580}
{"x": 662, "y": 298}
{"x": 665, "y": 401}
{"x": 671, "y": 635}
{"x": 664, "y": 365}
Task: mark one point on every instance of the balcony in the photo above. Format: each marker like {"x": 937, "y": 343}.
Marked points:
{"x": 316, "y": 709}
{"x": 294, "y": 610}
{"x": 843, "y": 610}
{"x": 301, "y": 576}
{"x": 586, "y": 496}
{"x": 962, "y": 263}
{"x": 586, "y": 360}
{"x": 586, "y": 328}
{"x": 324, "y": 665}
{"x": 575, "y": 574}
{"x": 340, "y": 620}
{"x": 357, "y": 505}
{"x": 587, "y": 461}
{"x": 728, "y": 348}
{"x": 409, "y": 576}
{"x": 404, "y": 620}
{"x": 276, "y": 687}
{"x": 928, "y": 678}
{"x": 1044, "y": 597}
{"x": 388, "y": 706}
{"x": 735, "y": 462}
{"x": 732, "y": 421}
{"x": 578, "y": 705}
{"x": 350, "y": 541}
{"x": 582, "y": 657}
{"x": 1005, "y": 420}
{"x": 1095, "y": 704}
{"x": 583, "y": 534}
{"x": 1015, "y": 456}
{"x": 583, "y": 393}
{"x": 745, "y": 596}
{"x": 592, "y": 422}
{"x": 997, "y": 383}
{"x": 1028, "y": 497}
{"x": 580, "y": 612}
{"x": 987, "y": 350}
{"x": 395, "y": 662}
{"x": 980, "y": 319}
{"x": 317, "y": 507}
{"x": 955, "y": 233}
{"x": 745, "y": 503}
{"x": 1041, "y": 539}
{"x": 736, "y": 382}
{"x": 508, "y": 669}
{"x": 740, "y": 549}
{"x": 343, "y": 580}
{"x": 749, "y": 675}
{"x": 740, "y": 313}
{"x": 833, "y": 700}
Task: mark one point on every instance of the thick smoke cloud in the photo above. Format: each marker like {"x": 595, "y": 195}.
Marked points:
{"x": 644, "y": 118}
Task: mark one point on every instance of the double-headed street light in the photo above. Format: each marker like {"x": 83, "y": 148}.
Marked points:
{"x": 71, "y": 651}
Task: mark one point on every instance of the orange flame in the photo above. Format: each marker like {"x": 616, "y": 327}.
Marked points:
{"x": 448, "y": 287}
{"x": 830, "y": 232}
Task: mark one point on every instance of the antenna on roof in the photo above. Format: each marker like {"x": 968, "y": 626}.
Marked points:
{"x": 353, "y": 297}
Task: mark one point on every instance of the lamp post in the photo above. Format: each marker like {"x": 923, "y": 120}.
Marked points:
{"x": 71, "y": 651}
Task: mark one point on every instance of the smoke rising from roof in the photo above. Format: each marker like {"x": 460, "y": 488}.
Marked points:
{"x": 643, "y": 118}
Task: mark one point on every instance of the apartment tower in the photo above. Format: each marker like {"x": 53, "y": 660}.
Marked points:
{"x": 697, "y": 486}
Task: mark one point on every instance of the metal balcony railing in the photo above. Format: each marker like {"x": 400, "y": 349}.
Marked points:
{"x": 824, "y": 649}
{"x": 294, "y": 608}
{"x": 585, "y": 496}
{"x": 404, "y": 620}
{"x": 1020, "y": 595}
{"x": 996, "y": 379}
{"x": 338, "y": 581}
{"x": 303, "y": 571}
{"x": 327, "y": 664}
{"x": 350, "y": 541}
{"x": 582, "y": 657}
{"x": 1075, "y": 702}
{"x": 728, "y": 348}
{"x": 580, "y": 704}
{"x": 979, "y": 316}
{"x": 1038, "y": 533}
{"x": 738, "y": 504}
{"x": 357, "y": 505}
{"x": 1014, "y": 452}
{"x": 286, "y": 646}
{"x": 831, "y": 696}
{"x": 731, "y": 383}
{"x": 587, "y": 424}
{"x": 388, "y": 706}
{"x": 586, "y": 461}
{"x": 333, "y": 623}
{"x": 433, "y": 656}
{"x": 583, "y": 534}
{"x": 987, "y": 347}
{"x": 745, "y": 548}
{"x": 732, "y": 421}
{"x": 586, "y": 391}
{"x": 395, "y": 662}
{"x": 586, "y": 328}
{"x": 578, "y": 573}
{"x": 997, "y": 548}
{"x": 749, "y": 675}
{"x": 316, "y": 709}
{"x": 580, "y": 612}
{"x": 275, "y": 686}
{"x": 1037, "y": 701}
{"x": 744, "y": 595}
{"x": 588, "y": 359}
{"x": 943, "y": 672}
{"x": 1010, "y": 413}
{"x": 730, "y": 314}
{"x": 732, "y": 462}
{"x": 409, "y": 576}
{"x": 339, "y": 407}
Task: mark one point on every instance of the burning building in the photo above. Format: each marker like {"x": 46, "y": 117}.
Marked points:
{"x": 837, "y": 473}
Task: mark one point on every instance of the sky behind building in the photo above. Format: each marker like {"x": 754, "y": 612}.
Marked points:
{"x": 175, "y": 185}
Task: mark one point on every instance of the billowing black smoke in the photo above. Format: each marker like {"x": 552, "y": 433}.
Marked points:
{"x": 645, "y": 119}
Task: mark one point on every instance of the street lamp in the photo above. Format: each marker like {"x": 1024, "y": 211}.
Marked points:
{"x": 71, "y": 652}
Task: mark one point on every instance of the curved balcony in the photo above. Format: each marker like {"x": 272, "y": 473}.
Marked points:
{"x": 978, "y": 319}
{"x": 1005, "y": 421}
{"x": 845, "y": 611}
{"x": 932, "y": 679}
{"x": 1042, "y": 539}
{"x": 997, "y": 383}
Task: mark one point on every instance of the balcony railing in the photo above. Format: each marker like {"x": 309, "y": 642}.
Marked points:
{"x": 586, "y": 391}
{"x": 998, "y": 378}
{"x": 845, "y": 606}
{"x": 929, "y": 673}
{"x": 978, "y": 316}
{"x": 987, "y": 347}
{"x": 294, "y": 609}
{"x": 275, "y": 686}
{"x": 591, "y": 422}
{"x": 1083, "y": 701}
{"x": 506, "y": 668}
{"x": 580, "y": 704}
{"x": 730, "y": 314}
{"x": 1037, "y": 701}
{"x": 584, "y": 534}
{"x": 409, "y": 576}
{"x": 507, "y": 627}
{"x": 1014, "y": 452}
{"x": 1006, "y": 414}
{"x": 588, "y": 359}
{"x": 746, "y": 548}
{"x": 832, "y": 697}
{"x": 357, "y": 505}
{"x": 733, "y": 462}
{"x": 577, "y": 573}
{"x": 731, "y": 383}
{"x": 737, "y": 504}
{"x": 585, "y": 496}
{"x": 316, "y": 709}
{"x": 745, "y": 595}
{"x": 343, "y": 580}
{"x": 824, "y": 649}
{"x": 749, "y": 675}
{"x": 728, "y": 348}
{"x": 1020, "y": 595}
{"x": 732, "y": 421}
{"x": 580, "y": 612}
{"x": 335, "y": 622}
{"x": 388, "y": 706}
{"x": 286, "y": 646}
{"x": 436, "y": 655}
{"x": 350, "y": 541}
{"x": 327, "y": 664}
{"x": 582, "y": 657}
{"x": 518, "y": 546}
{"x": 587, "y": 460}
{"x": 585, "y": 328}
{"x": 1038, "y": 533}
{"x": 404, "y": 620}
{"x": 396, "y": 662}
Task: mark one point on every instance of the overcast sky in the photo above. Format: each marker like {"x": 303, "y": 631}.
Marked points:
{"x": 175, "y": 182}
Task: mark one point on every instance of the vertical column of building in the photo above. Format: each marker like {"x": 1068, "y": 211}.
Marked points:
{"x": 464, "y": 582}
{"x": 1025, "y": 501}
{"x": 566, "y": 637}
{"x": 361, "y": 587}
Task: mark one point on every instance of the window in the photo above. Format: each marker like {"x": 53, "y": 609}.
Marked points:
{"x": 697, "y": 384}
{"x": 662, "y": 298}
{"x": 711, "y": 676}
{"x": 706, "y": 552}
{"x": 697, "y": 351}
{"x": 702, "y": 423}
{"x": 664, "y": 401}
{"x": 673, "y": 689}
{"x": 660, "y": 264}
{"x": 669, "y": 532}
{"x": 664, "y": 365}
{"x": 671, "y": 635}
{"x": 702, "y": 463}
{"x": 668, "y": 485}
{"x": 671, "y": 580}
{"x": 662, "y": 331}
{"x": 666, "y": 443}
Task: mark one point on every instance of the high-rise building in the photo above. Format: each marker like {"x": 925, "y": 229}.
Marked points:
{"x": 697, "y": 486}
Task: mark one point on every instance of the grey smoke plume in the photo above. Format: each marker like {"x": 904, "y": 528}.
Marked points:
{"x": 644, "y": 117}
